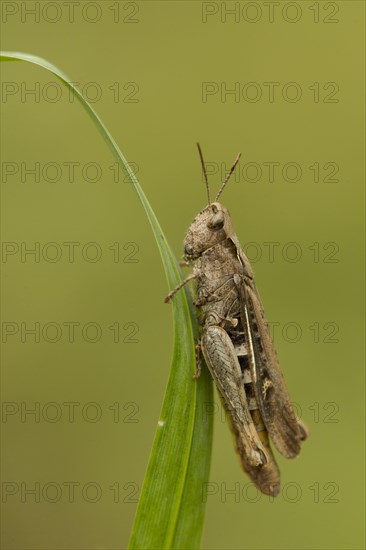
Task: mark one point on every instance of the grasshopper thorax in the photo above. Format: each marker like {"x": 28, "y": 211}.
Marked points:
{"x": 210, "y": 227}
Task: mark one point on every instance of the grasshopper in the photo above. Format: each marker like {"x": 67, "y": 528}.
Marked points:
{"x": 237, "y": 346}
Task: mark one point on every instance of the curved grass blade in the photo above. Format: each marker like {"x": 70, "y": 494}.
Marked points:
{"x": 170, "y": 513}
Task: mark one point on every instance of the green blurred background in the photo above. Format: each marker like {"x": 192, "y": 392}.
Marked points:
{"x": 146, "y": 66}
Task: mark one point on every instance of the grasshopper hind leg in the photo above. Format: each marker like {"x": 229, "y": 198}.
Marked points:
{"x": 198, "y": 350}
{"x": 254, "y": 453}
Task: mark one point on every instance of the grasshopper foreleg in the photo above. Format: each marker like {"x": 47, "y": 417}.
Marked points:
{"x": 181, "y": 285}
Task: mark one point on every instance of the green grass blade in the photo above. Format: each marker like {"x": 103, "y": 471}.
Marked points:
{"x": 189, "y": 527}
{"x": 170, "y": 513}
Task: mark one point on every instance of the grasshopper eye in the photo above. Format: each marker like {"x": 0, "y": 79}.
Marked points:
{"x": 217, "y": 221}
{"x": 188, "y": 250}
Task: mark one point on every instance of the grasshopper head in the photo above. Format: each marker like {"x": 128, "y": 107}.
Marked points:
{"x": 210, "y": 227}
{"x": 213, "y": 224}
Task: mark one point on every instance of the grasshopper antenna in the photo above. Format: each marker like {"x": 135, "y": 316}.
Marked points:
{"x": 228, "y": 177}
{"x": 204, "y": 172}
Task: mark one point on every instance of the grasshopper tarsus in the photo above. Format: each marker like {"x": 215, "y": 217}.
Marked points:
{"x": 304, "y": 430}
{"x": 197, "y": 374}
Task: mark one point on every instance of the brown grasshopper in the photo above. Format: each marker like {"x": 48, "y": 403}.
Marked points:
{"x": 237, "y": 346}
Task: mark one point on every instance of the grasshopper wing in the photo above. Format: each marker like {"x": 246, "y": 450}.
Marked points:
{"x": 269, "y": 385}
